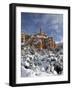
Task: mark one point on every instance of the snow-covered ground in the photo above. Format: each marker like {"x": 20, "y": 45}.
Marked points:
{"x": 43, "y": 62}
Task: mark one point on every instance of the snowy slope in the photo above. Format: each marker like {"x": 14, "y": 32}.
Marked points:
{"x": 43, "y": 62}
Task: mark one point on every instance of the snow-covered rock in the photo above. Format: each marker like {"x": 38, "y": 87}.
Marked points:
{"x": 40, "y": 62}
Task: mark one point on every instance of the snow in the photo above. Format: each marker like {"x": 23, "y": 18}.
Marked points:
{"x": 42, "y": 62}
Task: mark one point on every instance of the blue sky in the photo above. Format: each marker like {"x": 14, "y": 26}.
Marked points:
{"x": 51, "y": 24}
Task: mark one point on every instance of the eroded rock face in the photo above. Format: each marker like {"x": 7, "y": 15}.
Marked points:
{"x": 41, "y": 62}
